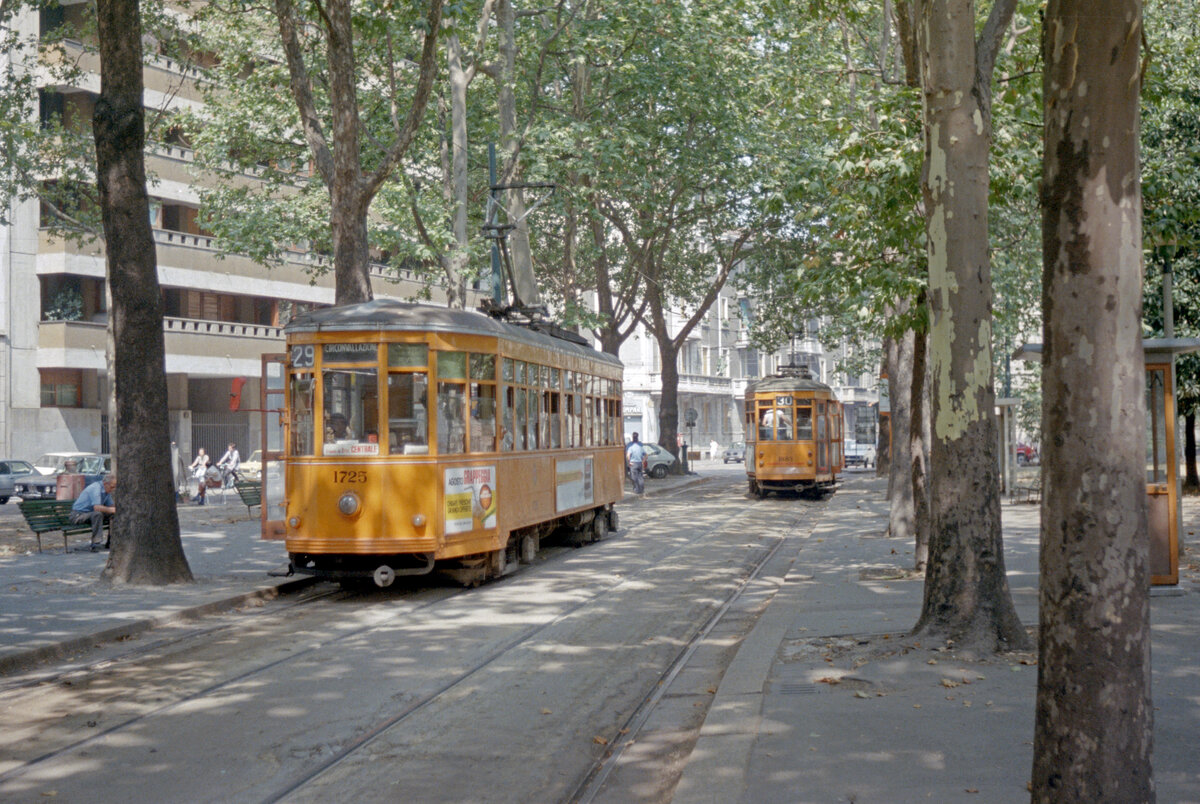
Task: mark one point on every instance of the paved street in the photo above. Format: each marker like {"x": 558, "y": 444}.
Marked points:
{"x": 716, "y": 649}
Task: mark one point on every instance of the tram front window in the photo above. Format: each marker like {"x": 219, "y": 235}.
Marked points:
{"x": 408, "y": 431}
{"x": 350, "y": 409}
{"x": 804, "y": 430}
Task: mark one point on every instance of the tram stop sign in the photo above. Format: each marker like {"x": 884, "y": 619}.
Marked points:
{"x": 690, "y": 416}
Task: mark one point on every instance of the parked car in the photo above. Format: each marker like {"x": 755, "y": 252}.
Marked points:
{"x": 734, "y": 452}
{"x": 1027, "y": 455}
{"x": 251, "y": 468}
{"x": 36, "y": 487}
{"x": 859, "y": 454}
{"x": 12, "y": 471}
{"x": 55, "y": 463}
{"x": 43, "y": 483}
{"x": 94, "y": 467}
{"x": 658, "y": 460}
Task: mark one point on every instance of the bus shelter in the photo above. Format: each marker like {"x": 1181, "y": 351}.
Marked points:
{"x": 1163, "y": 502}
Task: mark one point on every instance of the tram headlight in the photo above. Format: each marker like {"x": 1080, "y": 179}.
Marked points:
{"x": 349, "y": 503}
{"x": 294, "y": 522}
{"x": 418, "y": 520}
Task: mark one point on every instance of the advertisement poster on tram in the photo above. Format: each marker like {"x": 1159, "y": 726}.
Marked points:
{"x": 470, "y": 495}
{"x": 573, "y": 483}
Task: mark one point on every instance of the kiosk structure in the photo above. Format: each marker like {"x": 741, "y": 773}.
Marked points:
{"x": 1163, "y": 502}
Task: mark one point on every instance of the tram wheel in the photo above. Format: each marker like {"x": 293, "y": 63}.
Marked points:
{"x": 499, "y": 562}
{"x": 528, "y": 549}
{"x": 599, "y": 528}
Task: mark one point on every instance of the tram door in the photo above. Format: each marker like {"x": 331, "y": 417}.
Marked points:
{"x": 272, "y": 405}
{"x": 822, "y": 439}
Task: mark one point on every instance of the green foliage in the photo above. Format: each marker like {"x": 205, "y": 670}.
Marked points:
{"x": 1171, "y": 181}
{"x": 67, "y": 305}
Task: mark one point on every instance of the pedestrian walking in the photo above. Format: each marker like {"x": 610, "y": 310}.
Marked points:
{"x": 635, "y": 456}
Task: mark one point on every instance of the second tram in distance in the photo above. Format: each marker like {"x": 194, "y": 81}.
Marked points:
{"x": 419, "y": 436}
{"x": 793, "y": 435}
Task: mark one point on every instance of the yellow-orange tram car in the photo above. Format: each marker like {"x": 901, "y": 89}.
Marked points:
{"x": 793, "y": 434}
{"x": 419, "y": 437}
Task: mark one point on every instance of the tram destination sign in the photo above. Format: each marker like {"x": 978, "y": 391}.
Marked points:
{"x": 350, "y": 352}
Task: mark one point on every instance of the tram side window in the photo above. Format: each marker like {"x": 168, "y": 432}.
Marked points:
{"x": 535, "y": 407}
{"x": 408, "y": 418}
{"x": 804, "y": 428}
{"x": 553, "y": 418}
{"x": 351, "y": 407}
{"x": 303, "y": 389}
{"x": 483, "y": 403}
{"x": 451, "y": 421}
{"x": 508, "y": 401}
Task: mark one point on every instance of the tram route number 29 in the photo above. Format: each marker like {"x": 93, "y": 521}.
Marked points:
{"x": 349, "y": 476}
{"x": 303, "y": 355}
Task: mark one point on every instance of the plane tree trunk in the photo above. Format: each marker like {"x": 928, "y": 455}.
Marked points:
{"x": 146, "y": 547}
{"x": 1093, "y": 733}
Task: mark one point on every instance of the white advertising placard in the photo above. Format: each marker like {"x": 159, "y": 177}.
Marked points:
{"x": 470, "y": 498}
{"x": 573, "y": 483}
{"x": 350, "y": 448}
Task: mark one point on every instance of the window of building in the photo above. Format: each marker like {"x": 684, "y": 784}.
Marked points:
{"x": 61, "y": 388}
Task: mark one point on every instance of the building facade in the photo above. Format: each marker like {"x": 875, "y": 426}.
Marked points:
{"x": 222, "y": 312}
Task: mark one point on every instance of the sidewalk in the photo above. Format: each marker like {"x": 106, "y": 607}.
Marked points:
{"x": 54, "y": 604}
{"x": 822, "y": 704}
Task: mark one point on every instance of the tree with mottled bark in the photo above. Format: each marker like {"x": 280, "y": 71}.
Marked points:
{"x": 336, "y": 145}
{"x": 146, "y": 547}
{"x": 967, "y": 598}
{"x": 1094, "y": 718}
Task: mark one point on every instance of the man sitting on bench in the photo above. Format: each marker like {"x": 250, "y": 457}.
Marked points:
{"x": 96, "y": 505}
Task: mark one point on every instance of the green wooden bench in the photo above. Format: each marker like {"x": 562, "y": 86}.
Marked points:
{"x": 250, "y": 492}
{"x": 1031, "y": 491}
{"x": 47, "y": 516}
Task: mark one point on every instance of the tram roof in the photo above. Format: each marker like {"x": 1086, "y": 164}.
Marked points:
{"x": 786, "y": 383}
{"x": 390, "y": 315}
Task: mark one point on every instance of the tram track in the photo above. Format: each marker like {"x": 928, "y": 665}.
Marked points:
{"x": 80, "y": 671}
{"x": 367, "y": 734}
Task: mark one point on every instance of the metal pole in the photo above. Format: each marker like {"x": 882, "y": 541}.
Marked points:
{"x": 497, "y": 280}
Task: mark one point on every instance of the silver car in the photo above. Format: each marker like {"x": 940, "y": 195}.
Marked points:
{"x": 734, "y": 452}
{"x": 12, "y": 471}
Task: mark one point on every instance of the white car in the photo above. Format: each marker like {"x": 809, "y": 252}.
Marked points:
{"x": 55, "y": 463}
{"x": 251, "y": 468}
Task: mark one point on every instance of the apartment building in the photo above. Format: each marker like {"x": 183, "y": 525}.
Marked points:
{"x": 222, "y": 313}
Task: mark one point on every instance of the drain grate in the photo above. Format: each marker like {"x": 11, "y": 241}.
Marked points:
{"x": 792, "y": 688}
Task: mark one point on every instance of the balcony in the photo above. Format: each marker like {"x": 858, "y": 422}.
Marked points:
{"x": 194, "y": 347}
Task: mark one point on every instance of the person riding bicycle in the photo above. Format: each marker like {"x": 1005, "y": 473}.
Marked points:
{"x": 229, "y": 464}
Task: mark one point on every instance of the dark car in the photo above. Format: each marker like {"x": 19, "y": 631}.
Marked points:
{"x": 12, "y": 471}
{"x": 36, "y": 487}
{"x": 734, "y": 452}
{"x": 45, "y": 487}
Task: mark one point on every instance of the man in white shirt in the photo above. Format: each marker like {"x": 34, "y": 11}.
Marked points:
{"x": 229, "y": 463}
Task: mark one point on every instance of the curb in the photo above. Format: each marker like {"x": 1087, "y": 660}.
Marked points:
{"x": 21, "y": 660}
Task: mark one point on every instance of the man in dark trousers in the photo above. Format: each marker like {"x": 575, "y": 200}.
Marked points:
{"x": 635, "y": 455}
{"x": 95, "y": 505}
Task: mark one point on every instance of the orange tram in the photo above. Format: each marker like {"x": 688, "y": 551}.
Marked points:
{"x": 419, "y": 437}
{"x": 793, "y": 435}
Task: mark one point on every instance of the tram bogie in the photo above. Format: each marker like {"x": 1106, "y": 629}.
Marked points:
{"x": 421, "y": 439}
{"x": 793, "y": 436}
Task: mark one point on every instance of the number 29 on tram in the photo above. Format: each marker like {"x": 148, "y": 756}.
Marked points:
{"x": 419, "y": 437}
